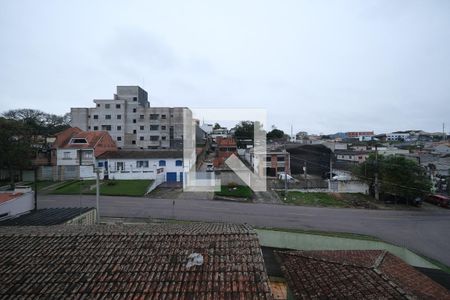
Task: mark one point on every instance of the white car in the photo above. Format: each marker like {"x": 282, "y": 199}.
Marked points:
{"x": 282, "y": 176}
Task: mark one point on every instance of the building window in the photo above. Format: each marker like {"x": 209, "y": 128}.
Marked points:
{"x": 163, "y": 127}
{"x": 141, "y": 138}
{"x": 163, "y": 117}
{"x": 162, "y": 163}
{"x": 141, "y": 127}
{"x": 119, "y": 138}
{"x": 134, "y": 110}
{"x": 141, "y": 117}
{"x": 100, "y": 164}
{"x": 66, "y": 155}
{"x": 89, "y": 127}
{"x": 178, "y": 163}
{"x": 134, "y": 131}
{"x": 119, "y": 166}
{"x": 119, "y": 128}
{"x": 134, "y": 120}
{"x": 154, "y": 127}
{"x": 268, "y": 158}
{"x": 108, "y": 117}
{"x": 154, "y": 116}
{"x": 98, "y": 105}
{"x": 95, "y": 127}
{"x": 119, "y": 117}
{"x": 154, "y": 138}
{"x": 95, "y": 117}
{"x": 163, "y": 138}
{"x": 142, "y": 164}
{"x": 117, "y": 105}
{"x": 280, "y": 158}
{"x": 134, "y": 98}
{"x": 107, "y": 105}
{"x": 133, "y": 142}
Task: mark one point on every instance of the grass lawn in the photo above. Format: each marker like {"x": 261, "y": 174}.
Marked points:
{"x": 313, "y": 199}
{"x": 240, "y": 191}
{"x": 43, "y": 184}
{"x": 74, "y": 187}
{"x": 124, "y": 187}
{"x": 107, "y": 188}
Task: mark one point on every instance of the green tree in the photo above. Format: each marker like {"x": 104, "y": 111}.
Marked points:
{"x": 15, "y": 146}
{"x": 244, "y": 132}
{"x": 217, "y": 126}
{"x": 397, "y": 175}
{"x": 275, "y": 134}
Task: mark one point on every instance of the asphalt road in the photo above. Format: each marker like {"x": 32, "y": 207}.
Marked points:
{"x": 426, "y": 232}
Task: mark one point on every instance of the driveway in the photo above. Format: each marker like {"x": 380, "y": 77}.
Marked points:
{"x": 425, "y": 232}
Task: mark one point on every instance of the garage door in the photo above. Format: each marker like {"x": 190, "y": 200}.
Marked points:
{"x": 171, "y": 177}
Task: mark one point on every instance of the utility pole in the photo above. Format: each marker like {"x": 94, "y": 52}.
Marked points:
{"x": 377, "y": 194}
{"x": 331, "y": 171}
{"x": 285, "y": 172}
{"x": 97, "y": 194}
{"x": 35, "y": 187}
{"x": 306, "y": 175}
{"x": 444, "y": 136}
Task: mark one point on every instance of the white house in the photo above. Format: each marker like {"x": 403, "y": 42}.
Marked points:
{"x": 351, "y": 156}
{"x": 17, "y": 202}
{"x": 397, "y": 136}
{"x": 165, "y": 164}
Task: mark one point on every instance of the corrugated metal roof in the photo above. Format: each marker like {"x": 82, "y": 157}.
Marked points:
{"x": 150, "y": 262}
{"x": 48, "y": 216}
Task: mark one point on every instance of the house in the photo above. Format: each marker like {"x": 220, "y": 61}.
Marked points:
{"x": 54, "y": 216}
{"x": 161, "y": 261}
{"x": 396, "y": 136}
{"x": 224, "y": 149}
{"x": 358, "y": 134}
{"x": 166, "y": 165}
{"x": 132, "y": 122}
{"x": 354, "y": 274}
{"x": 276, "y": 161}
{"x": 351, "y": 156}
{"x": 76, "y": 156}
{"x": 15, "y": 203}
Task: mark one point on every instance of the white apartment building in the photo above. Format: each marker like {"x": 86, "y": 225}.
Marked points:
{"x": 131, "y": 122}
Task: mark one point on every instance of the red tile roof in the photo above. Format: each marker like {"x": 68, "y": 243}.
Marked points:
{"x": 355, "y": 274}
{"x": 92, "y": 138}
{"x": 9, "y": 196}
{"x": 124, "y": 262}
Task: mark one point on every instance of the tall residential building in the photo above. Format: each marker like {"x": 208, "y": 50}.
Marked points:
{"x": 131, "y": 122}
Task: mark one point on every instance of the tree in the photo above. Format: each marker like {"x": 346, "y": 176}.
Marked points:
{"x": 244, "y": 133}
{"x": 217, "y": 126}
{"x": 39, "y": 122}
{"x": 15, "y": 146}
{"x": 275, "y": 134}
{"x": 397, "y": 175}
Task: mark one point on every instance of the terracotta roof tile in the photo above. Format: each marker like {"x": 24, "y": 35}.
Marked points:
{"x": 356, "y": 274}
{"x": 131, "y": 262}
{"x": 4, "y": 197}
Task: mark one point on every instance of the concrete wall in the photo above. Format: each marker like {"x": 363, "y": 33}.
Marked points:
{"x": 18, "y": 205}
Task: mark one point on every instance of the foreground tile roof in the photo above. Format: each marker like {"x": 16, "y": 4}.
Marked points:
{"x": 358, "y": 274}
{"x": 167, "y": 261}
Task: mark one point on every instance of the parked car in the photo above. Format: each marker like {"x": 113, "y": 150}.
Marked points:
{"x": 209, "y": 167}
{"x": 439, "y": 200}
{"x": 282, "y": 176}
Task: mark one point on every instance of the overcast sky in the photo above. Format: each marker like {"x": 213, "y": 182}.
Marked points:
{"x": 322, "y": 66}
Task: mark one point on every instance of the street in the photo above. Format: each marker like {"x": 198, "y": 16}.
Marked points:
{"x": 425, "y": 232}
